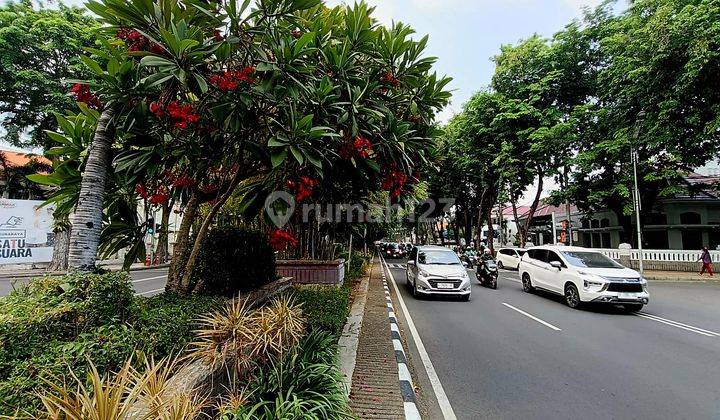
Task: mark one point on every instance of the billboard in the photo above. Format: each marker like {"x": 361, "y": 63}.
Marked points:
{"x": 26, "y": 232}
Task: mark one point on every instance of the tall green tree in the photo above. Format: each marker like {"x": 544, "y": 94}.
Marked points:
{"x": 656, "y": 93}
{"x": 39, "y": 48}
{"x": 248, "y": 101}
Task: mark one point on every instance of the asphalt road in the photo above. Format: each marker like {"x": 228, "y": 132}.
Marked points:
{"x": 146, "y": 282}
{"x": 496, "y": 362}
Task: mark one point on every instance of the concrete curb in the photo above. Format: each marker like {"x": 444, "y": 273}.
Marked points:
{"x": 407, "y": 390}
{"x": 348, "y": 343}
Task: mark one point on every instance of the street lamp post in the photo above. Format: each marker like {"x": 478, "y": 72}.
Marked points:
{"x": 636, "y": 191}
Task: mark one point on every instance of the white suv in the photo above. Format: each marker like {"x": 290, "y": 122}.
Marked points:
{"x": 582, "y": 275}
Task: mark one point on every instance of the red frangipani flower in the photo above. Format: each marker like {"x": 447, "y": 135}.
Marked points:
{"x": 389, "y": 78}
{"x": 83, "y": 94}
{"x": 302, "y": 187}
{"x": 280, "y": 239}
{"x": 394, "y": 181}
{"x": 231, "y": 79}
{"x": 359, "y": 147}
{"x": 182, "y": 115}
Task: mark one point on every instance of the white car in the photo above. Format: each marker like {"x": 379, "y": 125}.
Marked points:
{"x": 435, "y": 270}
{"x": 509, "y": 257}
{"x": 582, "y": 275}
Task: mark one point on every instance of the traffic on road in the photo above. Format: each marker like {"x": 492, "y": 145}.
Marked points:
{"x": 516, "y": 352}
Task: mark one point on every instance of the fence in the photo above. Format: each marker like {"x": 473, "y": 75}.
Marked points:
{"x": 659, "y": 259}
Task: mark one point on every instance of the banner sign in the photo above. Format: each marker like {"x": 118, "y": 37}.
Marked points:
{"x": 26, "y": 232}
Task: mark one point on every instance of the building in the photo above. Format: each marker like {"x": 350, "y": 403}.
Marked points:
{"x": 683, "y": 222}
{"x": 14, "y": 168}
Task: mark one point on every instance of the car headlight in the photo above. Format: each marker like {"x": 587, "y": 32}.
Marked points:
{"x": 593, "y": 282}
{"x": 464, "y": 275}
{"x": 423, "y": 273}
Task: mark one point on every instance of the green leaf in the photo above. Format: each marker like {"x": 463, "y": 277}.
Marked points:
{"x": 297, "y": 155}
{"x": 278, "y": 158}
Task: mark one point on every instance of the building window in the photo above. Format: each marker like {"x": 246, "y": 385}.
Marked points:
{"x": 595, "y": 223}
{"x": 656, "y": 239}
{"x": 605, "y": 223}
{"x": 606, "y": 239}
{"x": 690, "y": 218}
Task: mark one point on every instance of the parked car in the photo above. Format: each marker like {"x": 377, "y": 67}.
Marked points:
{"x": 509, "y": 257}
{"x": 394, "y": 250}
{"x": 435, "y": 270}
{"x": 582, "y": 275}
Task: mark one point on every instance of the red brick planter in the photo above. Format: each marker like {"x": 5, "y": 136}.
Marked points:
{"x": 313, "y": 272}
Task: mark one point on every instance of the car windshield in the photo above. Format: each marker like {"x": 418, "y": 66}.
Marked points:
{"x": 521, "y": 252}
{"x": 438, "y": 258}
{"x": 589, "y": 260}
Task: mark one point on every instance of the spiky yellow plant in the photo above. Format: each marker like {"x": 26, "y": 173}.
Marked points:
{"x": 122, "y": 395}
{"x": 279, "y": 326}
{"x": 233, "y": 401}
{"x": 226, "y": 336}
{"x": 235, "y": 336}
{"x": 109, "y": 397}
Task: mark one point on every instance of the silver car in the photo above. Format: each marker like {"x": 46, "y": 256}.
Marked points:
{"x": 434, "y": 270}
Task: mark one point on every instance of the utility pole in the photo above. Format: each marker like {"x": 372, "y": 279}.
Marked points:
{"x": 636, "y": 190}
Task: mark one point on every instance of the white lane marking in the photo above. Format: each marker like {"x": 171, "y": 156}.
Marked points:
{"x": 680, "y": 325}
{"x": 534, "y": 318}
{"x": 150, "y": 291}
{"x": 148, "y": 279}
{"x": 437, "y": 387}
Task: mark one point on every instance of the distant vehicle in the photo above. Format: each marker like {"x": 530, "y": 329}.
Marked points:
{"x": 509, "y": 257}
{"x": 394, "y": 250}
{"x": 435, "y": 270}
{"x": 581, "y": 276}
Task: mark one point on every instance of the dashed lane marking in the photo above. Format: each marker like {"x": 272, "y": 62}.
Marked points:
{"x": 533, "y": 317}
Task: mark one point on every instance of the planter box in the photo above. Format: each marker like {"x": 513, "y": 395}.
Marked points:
{"x": 313, "y": 272}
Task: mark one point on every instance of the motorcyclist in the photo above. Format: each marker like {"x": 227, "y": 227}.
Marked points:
{"x": 486, "y": 255}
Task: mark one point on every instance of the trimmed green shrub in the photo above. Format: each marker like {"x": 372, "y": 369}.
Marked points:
{"x": 235, "y": 259}
{"x": 165, "y": 323}
{"x": 56, "y": 324}
{"x": 326, "y": 308}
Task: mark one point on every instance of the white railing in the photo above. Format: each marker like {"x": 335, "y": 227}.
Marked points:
{"x": 666, "y": 255}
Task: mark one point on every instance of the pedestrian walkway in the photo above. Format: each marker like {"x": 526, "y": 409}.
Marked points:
{"x": 679, "y": 276}
{"x": 375, "y": 392}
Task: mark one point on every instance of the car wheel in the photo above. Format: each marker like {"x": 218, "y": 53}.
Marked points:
{"x": 500, "y": 265}
{"x": 572, "y": 296}
{"x": 465, "y": 298}
{"x": 527, "y": 283}
{"x": 633, "y": 307}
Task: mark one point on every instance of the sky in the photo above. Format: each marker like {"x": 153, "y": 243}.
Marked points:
{"x": 466, "y": 34}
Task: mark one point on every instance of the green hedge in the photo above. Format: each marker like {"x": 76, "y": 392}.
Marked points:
{"x": 53, "y": 324}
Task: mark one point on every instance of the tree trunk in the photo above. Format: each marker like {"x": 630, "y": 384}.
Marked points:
{"x": 202, "y": 233}
{"x": 60, "y": 250}
{"x": 522, "y": 236}
{"x": 86, "y": 221}
{"x": 533, "y": 208}
{"x": 491, "y": 233}
{"x": 176, "y": 272}
{"x": 163, "y": 249}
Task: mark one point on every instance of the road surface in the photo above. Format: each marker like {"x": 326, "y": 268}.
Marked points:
{"x": 146, "y": 282}
{"x": 507, "y": 354}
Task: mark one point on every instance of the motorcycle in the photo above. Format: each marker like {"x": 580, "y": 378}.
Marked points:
{"x": 487, "y": 273}
{"x": 469, "y": 261}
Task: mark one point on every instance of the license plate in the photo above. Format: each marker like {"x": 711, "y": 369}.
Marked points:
{"x": 626, "y": 295}
{"x": 445, "y": 286}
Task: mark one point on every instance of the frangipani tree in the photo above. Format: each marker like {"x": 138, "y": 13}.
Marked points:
{"x": 210, "y": 100}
